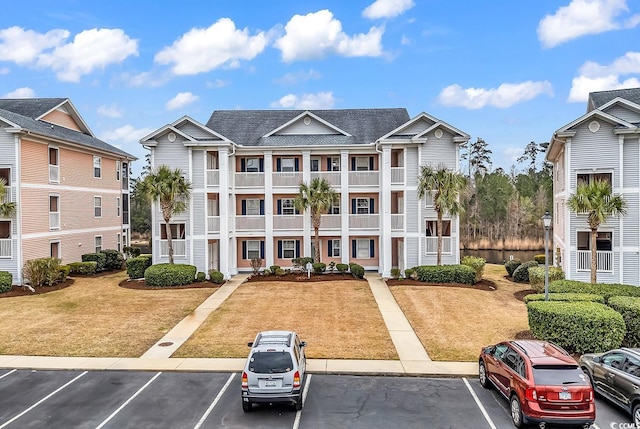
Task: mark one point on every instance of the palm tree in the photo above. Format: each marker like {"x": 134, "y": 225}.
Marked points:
{"x": 317, "y": 197}
{"x": 597, "y": 200}
{"x": 171, "y": 190}
{"x": 444, "y": 186}
{"x": 7, "y": 209}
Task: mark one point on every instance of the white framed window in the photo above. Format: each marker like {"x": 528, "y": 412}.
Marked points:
{"x": 5, "y": 239}
{"x": 288, "y": 207}
{"x": 54, "y": 156}
{"x": 124, "y": 238}
{"x": 97, "y": 242}
{"x": 590, "y": 177}
{"x": 97, "y": 206}
{"x": 335, "y": 207}
{"x": 54, "y": 212}
{"x": 5, "y": 173}
{"x": 604, "y": 240}
{"x": 118, "y": 171}
{"x": 288, "y": 249}
{"x": 335, "y": 248}
{"x": 362, "y": 249}
{"x": 335, "y": 163}
{"x": 178, "y": 231}
{"x": 118, "y": 206}
{"x": 315, "y": 164}
{"x": 252, "y": 165}
{"x": 253, "y": 207}
{"x": 432, "y": 228}
{"x": 362, "y": 163}
{"x": 97, "y": 167}
{"x": 287, "y": 164}
{"x": 119, "y": 242}
{"x": 362, "y": 205}
{"x": 253, "y": 249}
{"x": 54, "y": 249}
{"x": 54, "y": 165}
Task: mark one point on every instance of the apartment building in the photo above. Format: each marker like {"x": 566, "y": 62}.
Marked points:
{"x": 246, "y": 166}
{"x": 601, "y": 144}
{"x": 71, "y": 189}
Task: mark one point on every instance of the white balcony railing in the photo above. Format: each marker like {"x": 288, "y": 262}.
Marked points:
{"x": 288, "y": 221}
{"x": 430, "y": 245}
{"x": 249, "y": 222}
{"x": 5, "y": 247}
{"x": 397, "y": 175}
{"x": 179, "y": 247}
{"x": 604, "y": 260}
{"x": 397, "y": 222}
{"x": 363, "y": 178}
{"x": 54, "y": 220}
{"x": 8, "y": 195}
{"x": 213, "y": 177}
{"x": 54, "y": 173}
{"x": 331, "y": 221}
{"x": 332, "y": 177}
{"x": 287, "y": 178}
{"x": 364, "y": 221}
{"x": 249, "y": 180}
{"x": 213, "y": 224}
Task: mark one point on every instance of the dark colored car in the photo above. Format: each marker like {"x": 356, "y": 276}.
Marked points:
{"x": 541, "y": 381}
{"x": 616, "y": 376}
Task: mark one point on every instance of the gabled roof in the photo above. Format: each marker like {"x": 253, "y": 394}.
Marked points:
{"x": 24, "y": 113}
{"x": 600, "y": 98}
{"x": 149, "y": 140}
{"x": 432, "y": 123}
{"x": 39, "y": 108}
{"x": 249, "y": 127}
{"x": 308, "y": 114}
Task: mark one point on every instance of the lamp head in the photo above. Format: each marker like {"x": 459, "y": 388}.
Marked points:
{"x": 546, "y": 219}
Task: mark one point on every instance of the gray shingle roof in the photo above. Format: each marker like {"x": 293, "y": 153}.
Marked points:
{"x": 23, "y": 112}
{"x": 247, "y": 127}
{"x": 600, "y": 98}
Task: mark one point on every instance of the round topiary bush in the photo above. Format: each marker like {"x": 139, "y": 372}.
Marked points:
{"x": 216, "y": 276}
{"x": 319, "y": 267}
{"x": 342, "y": 268}
{"x": 200, "y": 277}
{"x": 511, "y": 266}
{"x": 357, "y": 271}
{"x": 167, "y": 275}
{"x": 521, "y": 274}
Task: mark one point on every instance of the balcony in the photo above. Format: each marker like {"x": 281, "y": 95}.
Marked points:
{"x": 54, "y": 173}
{"x": 604, "y": 261}
{"x": 332, "y": 177}
{"x": 397, "y": 222}
{"x": 430, "y": 245}
{"x": 54, "y": 220}
{"x": 5, "y": 247}
{"x": 364, "y": 178}
{"x": 213, "y": 177}
{"x": 364, "y": 221}
{"x": 333, "y": 221}
{"x": 397, "y": 175}
{"x": 179, "y": 247}
{"x": 292, "y": 178}
{"x": 213, "y": 224}
{"x": 249, "y": 180}
{"x": 249, "y": 222}
{"x": 288, "y": 222}
{"x": 8, "y": 195}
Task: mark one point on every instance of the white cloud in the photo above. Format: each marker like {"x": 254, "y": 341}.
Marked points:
{"x": 23, "y": 46}
{"x": 319, "y": 100}
{"x": 180, "y": 100}
{"x": 315, "y": 35}
{"x": 405, "y": 40}
{"x": 387, "y": 8}
{"x": 596, "y": 77}
{"x": 148, "y": 79}
{"x": 110, "y": 111}
{"x": 203, "y": 49}
{"x": 218, "y": 83}
{"x": 506, "y": 95}
{"x": 24, "y": 92}
{"x": 125, "y": 134}
{"x": 297, "y": 77}
{"x": 90, "y": 50}
{"x": 5, "y": 70}
{"x": 583, "y": 17}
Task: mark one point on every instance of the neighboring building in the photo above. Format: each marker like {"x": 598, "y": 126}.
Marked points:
{"x": 246, "y": 167}
{"x": 602, "y": 144}
{"x": 71, "y": 189}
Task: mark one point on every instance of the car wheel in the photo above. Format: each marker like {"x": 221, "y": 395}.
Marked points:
{"x": 299, "y": 403}
{"x": 635, "y": 416}
{"x": 482, "y": 375}
{"x": 516, "y": 411}
{"x": 246, "y": 406}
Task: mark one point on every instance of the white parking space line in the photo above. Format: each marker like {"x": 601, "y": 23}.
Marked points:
{"x": 127, "y": 401}
{"x": 10, "y": 372}
{"x": 305, "y": 392}
{"x": 40, "y": 401}
{"x": 475, "y": 397}
{"x": 215, "y": 401}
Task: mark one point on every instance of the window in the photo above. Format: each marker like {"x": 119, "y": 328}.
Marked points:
{"x": 362, "y": 249}
{"x": 315, "y": 164}
{"x": 362, "y": 205}
{"x": 588, "y": 178}
{"x": 5, "y": 229}
{"x": 334, "y": 248}
{"x": 288, "y": 207}
{"x": 632, "y": 366}
{"x": 97, "y": 167}
{"x": 5, "y": 173}
{"x": 335, "y": 163}
{"x": 54, "y": 212}
{"x": 288, "y": 249}
{"x": 118, "y": 242}
{"x": 118, "y": 206}
{"x": 287, "y": 164}
{"x": 54, "y": 249}
{"x": 53, "y": 156}
{"x": 124, "y": 237}
{"x": 177, "y": 231}
{"x": 335, "y": 207}
{"x": 118, "y": 170}
{"x": 514, "y": 361}
{"x": 252, "y": 165}
{"x": 604, "y": 240}
{"x": 5, "y": 239}
{"x": 97, "y": 241}
{"x": 253, "y": 207}
{"x": 253, "y": 249}
{"x": 362, "y": 163}
{"x": 432, "y": 228}
{"x": 97, "y": 206}
{"x": 613, "y": 360}
{"x": 54, "y": 168}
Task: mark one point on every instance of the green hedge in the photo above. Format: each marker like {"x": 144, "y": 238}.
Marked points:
{"x": 570, "y": 297}
{"x": 113, "y": 259}
{"x": 521, "y": 274}
{"x": 167, "y": 275}
{"x": 409, "y": 273}
{"x": 319, "y": 267}
{"x": 6, "y": 280}
{"x": 605, "y": 289}
{"x": 137, "y": 266}
{"x": 64, "y": 272}
{"x": 274, "y": 268}
{"x": 342, "y": 268}
{"x": 580, "y": 327}
{"x": 99, "y": 258}
{"x": 477, "y": 264}
{"x": 356, "y": 270}
{"x": 217, "y": 277}
{"x": 446, "y": 274}
{"x": 536, "y": 277}
{"x": 84, "y": 268}
{"x": 540, "y": 259}
{"x": 629, "y": 308}
{"x": 201, "y": 276}
{"x": 511, "y": 266}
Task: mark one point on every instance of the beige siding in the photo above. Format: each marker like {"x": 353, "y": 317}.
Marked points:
{"x": 61, "y": 118}
{"x": 72, "y": 246}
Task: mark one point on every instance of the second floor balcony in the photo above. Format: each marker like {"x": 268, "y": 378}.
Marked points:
{"x": 213, "y": 177}
{"x": 397, "y": 175}
{"x": 430, "y": 245}
{"x": 250, "y": 222}
{"x": 213, "y": 224}
{"x": 5, "y": 248}
{"x": 281, "y": 222}
{"x": 604, "y": 261}
{"x": 179, "y": 247}
{"x": 331, "y": 221}
{"x": 287, "y": 178}
{"x": 249, "y": 180}
{"x": 397, "y": 222}
{"x": 332, "y": 177}
{"x": 364, "y": 221}
{"x": 364, "y": 178}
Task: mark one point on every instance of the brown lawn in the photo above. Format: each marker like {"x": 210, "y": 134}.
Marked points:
{"x": 93, "y": 317}
{"x": 454, "y": 323}
{"x": 337, "y": 319}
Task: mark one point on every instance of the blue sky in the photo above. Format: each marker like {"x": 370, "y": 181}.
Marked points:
{"x": 508, "y": 71}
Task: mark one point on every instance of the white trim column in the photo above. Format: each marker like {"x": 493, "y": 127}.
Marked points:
{"x": 268, "y": 209}
{"x": 227, "y": 259}
{"x": 307, "y": 228}
{"x": 344, "y": 206}
{"x": 385, "y": 213}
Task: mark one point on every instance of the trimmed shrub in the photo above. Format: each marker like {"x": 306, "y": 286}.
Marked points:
{"x": 113, "y": 259}
{"x": 83, "y": 268}
{"x": 137, "y": 266}
{"x": 300, "y": 264}
{"x": 274, "y": 268}
{"x": 319, "y": 267}
{"x": 167, "y": 275}
{"x": 409, "y": 272}
{"x": 6, "y": 280}
{"x": 539, "y": 259}
{"x": 605, "y": 289}
{"x": 446, "y": 274}
{"x": 629, "y": 308}
{"x": 216, "y": 276}
{"x": 342, "y": 268}
{"x": 64, "y": 272}
{"x": 570, "y": 297}
{"x": 395, "y": 273}
{"x": 357, "y": 271}
{"x": 580, "y": 327}
{"x": 521, "y": 274}
{"x": 477, "y": 264}
{"x": 200, "y": 277}
{"x": 100, "y": 258}
{"x": 280, "y": 272}
{"x": 536, "y": 277}
{"x": 41, "y": 271}
{"x": 131, "y": 251}
{"x": 511, "y": 266}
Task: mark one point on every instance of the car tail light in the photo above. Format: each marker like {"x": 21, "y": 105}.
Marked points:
{"x": 590, "y": 395}
{"x": 531, "y": 394}
{"x": 296, "y": 379}
{"x": 245, "y": 381}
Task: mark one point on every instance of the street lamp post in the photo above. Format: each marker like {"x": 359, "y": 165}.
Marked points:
{"x": 546, "y": 220}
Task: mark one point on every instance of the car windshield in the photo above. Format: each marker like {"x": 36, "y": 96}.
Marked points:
{"x": 558, "y": 375}
{"x": 270, "y": 362}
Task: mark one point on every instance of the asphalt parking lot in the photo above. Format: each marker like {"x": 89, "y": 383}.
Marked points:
{"x": 136, "y": 399}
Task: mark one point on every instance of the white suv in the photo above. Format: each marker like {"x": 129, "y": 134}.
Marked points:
{"x": 275, "y": 370}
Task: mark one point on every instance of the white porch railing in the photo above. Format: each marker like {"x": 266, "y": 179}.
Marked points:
{"x": 213, "y": 177}
{"x": 54, "y": 173}
{"x": 54, "y": 220}
{"x": 604, "y": 260}
{"x": 363, "y": 178}
{"x": 287, "y": 178}
{"x": 332, "y": 177}
{"x": 249, "y": 222}
{"x": 249, "y": 180}
{"x": 364, "y": 221}
{"x": 8, "y": 195}
{"x": 213, "y": 224}
{"x": 179, "y": 247}
{"x": 397, "y": 222}
{"x": 333, "y": 221}
{"x": 288, "y": 221}
{"x": 397, "y": 175}
{"x": 5, "y": 247}
{"x": 430, "y": 245}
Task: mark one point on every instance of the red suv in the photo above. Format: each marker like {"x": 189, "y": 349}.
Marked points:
{"x": 542, "y": 382}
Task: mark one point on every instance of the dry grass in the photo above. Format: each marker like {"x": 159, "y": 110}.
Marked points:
{"x": 454, "y": 323}
{"x": 339, "y": 320}
{"x": 93, "y": 317}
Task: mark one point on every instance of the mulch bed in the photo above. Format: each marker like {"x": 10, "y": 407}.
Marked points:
{"x": 486, "y": 285}
{"x": 23, "y": 291}
{"x": 522, "y": 293}
{"x": 301, "y": 277}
